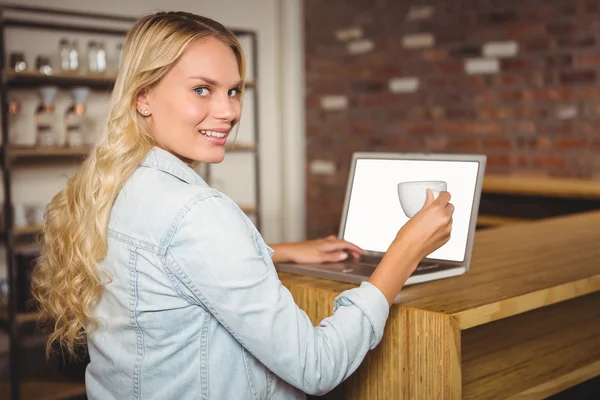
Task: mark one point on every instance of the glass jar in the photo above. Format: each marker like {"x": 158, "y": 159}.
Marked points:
{"x": 65, "y": 54}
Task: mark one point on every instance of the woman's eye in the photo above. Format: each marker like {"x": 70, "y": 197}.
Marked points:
{"x": 234, "y": 92}
{"x": 202, "y": 91}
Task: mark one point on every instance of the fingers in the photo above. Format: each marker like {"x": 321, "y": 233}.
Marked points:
{"x": 340, "y": 244}
{"x": 443, "y": 198}
{"x": 450, "y": 209}
{"x": 335, "y": 256}
{"x": 429, "y": 198}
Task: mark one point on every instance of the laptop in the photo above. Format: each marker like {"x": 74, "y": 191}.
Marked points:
{"x": 372, "y": 213}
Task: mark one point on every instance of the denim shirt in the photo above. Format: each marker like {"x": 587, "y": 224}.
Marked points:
{"x": 192, "y": 306}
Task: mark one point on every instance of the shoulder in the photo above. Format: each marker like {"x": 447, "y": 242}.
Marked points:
{"x": 152, "y": 204}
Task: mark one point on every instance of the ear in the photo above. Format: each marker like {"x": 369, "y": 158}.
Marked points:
{"x": 142, "y": 104}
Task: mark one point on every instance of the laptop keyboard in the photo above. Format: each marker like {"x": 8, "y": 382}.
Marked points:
{"x": 369, "y": 260}
{"x": 373, "y": 261}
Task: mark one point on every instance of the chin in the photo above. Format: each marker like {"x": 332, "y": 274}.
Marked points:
{"x": 211, "y": 157}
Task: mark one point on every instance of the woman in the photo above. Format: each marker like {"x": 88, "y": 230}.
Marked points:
{"x": 164, "y": 278}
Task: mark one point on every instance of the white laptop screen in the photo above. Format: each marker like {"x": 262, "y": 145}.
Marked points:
{"x": 375, "y": 215}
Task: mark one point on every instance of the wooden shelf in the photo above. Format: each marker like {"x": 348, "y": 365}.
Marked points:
{"x": 27, "y": 230}
{"x": 44, "y": 390}
{"x": 21, "y": 317}
{"x": 240, "y": 147}
{"x": 28, "y": 79}
{"x": 541, "y": 186}
{"x": 533, "y": 355}
{"x": 249, "y": 209}
{"x": 491, "y": 220}
{"x": 32, "y": 152}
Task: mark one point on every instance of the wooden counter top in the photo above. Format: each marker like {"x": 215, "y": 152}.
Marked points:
{"x": 521, "y": 324}
{"x": 541, "y": 263}
{"x": 542, "y": 186}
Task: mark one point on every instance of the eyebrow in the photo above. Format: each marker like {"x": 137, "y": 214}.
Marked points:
{"x": 213, "y": 82}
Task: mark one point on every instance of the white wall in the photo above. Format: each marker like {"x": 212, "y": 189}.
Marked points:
{"x": 278, "y": 24}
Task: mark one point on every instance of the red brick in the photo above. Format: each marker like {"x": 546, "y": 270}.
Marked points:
{"x": 434, "y": 54}
{"x": 595, "y": 146}
{"x": 491, "y": 113}
{"x": 588, "y": 60}
{"x": 592, "y": 7}
{"x": 496, "y": 143}
{"x": 520, "y": 128}
{"x": 438, "y": 82}
{"x": 568, "y": 144}
{"x": 544, "y": 143}
{"x": 437, "y": 143}
{"x": 450, "y": 67}
{"x": 396, "y": 114}
{"x": 484, "y": 128}
{"x": 417, "y": 113}
{"x": 516, "y": 64}
{"x": 538, "y": 44}
{"x": 508, "y": 79}
{"x": 524, "y": 31}
{"x": 498, "y": 159}
{"x": 504, "y": 160}
{"x": 560, "y": 28}
{"x": 418, "y": 128}
{"x": 463, "y": 144}
{"x": 453, "y": 128}
{"x": 511, "y": 96}
{"x": 584, "y": 76}
{"x": 591, "y": 94}
{"x": 437, "y": 113}
{"x": 362, "y": 127}
{"x": 486, "y": 97}
{"x": 548, "y": 161}
{"x": 572, "y": 42}
{"x": 526, "y": 112}
{"x": 559, "y": 60}
{"x": 561, "y": 94}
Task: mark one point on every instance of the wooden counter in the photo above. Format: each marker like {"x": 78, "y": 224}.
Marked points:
{"x": 523, "y": 323}
{"x": 513, "y": 199}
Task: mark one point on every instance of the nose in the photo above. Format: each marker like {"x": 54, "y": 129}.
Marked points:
{"x": 224, "y": 107}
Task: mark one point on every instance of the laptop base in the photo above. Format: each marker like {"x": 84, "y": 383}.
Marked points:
{"x": 356, "y": 273}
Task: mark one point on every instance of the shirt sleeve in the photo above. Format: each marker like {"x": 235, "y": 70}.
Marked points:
{"x": 219, "y": 257}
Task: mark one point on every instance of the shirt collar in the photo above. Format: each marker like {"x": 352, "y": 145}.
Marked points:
{"x": 171, "y": 164}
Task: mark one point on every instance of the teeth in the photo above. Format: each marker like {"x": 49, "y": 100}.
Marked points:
{"x": 213, "y": 134}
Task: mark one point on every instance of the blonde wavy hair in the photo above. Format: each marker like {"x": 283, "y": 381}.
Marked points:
{"x": 66, "y": 281}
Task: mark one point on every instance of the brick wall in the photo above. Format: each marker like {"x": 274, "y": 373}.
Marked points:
{"x": 518, "y": 80}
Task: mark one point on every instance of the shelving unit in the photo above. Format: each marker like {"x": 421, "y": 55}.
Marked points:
{"x": 13, "y": 157}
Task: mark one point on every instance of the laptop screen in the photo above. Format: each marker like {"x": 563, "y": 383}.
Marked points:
{"x": 375, "y": 214}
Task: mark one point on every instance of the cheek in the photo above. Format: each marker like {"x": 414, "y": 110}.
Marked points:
{"x": 193, "y": 111}
{"x": 238, "y": 110}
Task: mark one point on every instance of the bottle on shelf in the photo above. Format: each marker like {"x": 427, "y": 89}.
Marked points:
{"x": 45, "y": 119}
{"x": 74, "y": 117}
{"x": 119, "y": 56}
{"x": 74, "y": 63}
{"x": 14, "y": 115}
{"x": 65, "y": 55}
{"x": 92, "y": 56}
{"x": 100, "y": 57}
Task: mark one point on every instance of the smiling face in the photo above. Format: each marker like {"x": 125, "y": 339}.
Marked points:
{"x": 192, "y": 110}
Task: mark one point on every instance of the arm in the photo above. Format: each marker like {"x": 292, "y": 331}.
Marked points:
{"x": 223, "y": 265}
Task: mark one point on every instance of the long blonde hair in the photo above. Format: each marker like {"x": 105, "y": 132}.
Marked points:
{"x": 66, "y": 281}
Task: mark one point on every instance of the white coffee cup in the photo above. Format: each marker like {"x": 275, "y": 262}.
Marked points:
{"x": 412, "y": 195}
